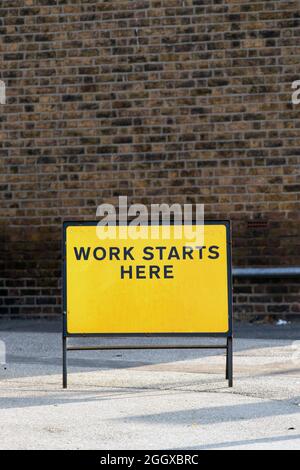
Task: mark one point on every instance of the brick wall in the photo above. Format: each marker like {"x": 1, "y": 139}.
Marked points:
{"x": 161, "y": 100}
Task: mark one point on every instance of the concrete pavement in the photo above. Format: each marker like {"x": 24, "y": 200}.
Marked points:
{"x": 150, "y": 399}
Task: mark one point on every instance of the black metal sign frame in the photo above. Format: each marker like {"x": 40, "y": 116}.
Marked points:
{"x": 229, "y": 335}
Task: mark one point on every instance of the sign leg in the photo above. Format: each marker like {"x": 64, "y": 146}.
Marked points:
{"x": 65, "y": 367}
{"x": 229, "y": 362}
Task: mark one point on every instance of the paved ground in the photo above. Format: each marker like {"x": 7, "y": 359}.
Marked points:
{"x": 150, "y": 399}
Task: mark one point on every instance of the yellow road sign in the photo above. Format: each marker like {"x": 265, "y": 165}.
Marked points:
{"x": 126, "y": 286}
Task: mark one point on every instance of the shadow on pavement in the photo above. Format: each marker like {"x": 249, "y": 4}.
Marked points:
{"x": 265, "y": 440}
{"x": 220, "y": 414}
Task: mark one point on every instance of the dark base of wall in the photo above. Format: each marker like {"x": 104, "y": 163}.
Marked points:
{"x": 266, "y": 299}
{"x": 254, "y": 300}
